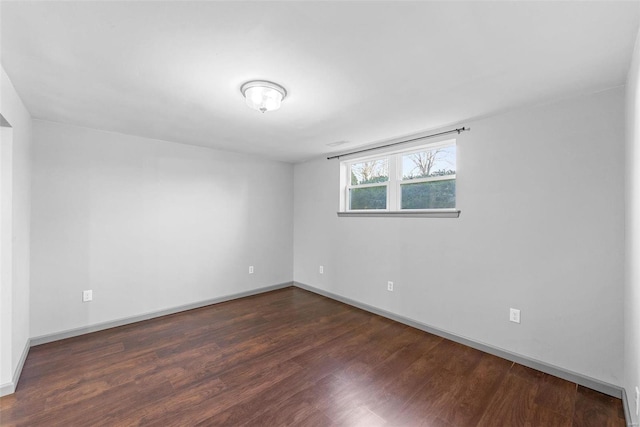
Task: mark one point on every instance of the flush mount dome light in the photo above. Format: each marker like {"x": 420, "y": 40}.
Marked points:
{"x": 262, "y": 95}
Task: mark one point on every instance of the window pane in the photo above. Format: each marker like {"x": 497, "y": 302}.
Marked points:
{"x": 368, "y": 198}
{"x": 423, "y": 164}
{"x": 429, "y": 195}
{"x": 370, "y": 172}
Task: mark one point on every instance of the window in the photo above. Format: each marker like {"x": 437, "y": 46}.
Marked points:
{"x": 369, "y": 184}
{"x": 418, "y": 179}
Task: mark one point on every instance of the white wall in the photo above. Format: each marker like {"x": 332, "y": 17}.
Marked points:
{"x": 6, "y": 253}
{"x": 149, "y": 225}
{"x": 15, "y": 293}
{"x": 541, "y": 229}
{"x": 632, "y": 279}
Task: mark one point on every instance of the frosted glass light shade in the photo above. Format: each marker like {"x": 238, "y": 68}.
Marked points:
{"x": 263, "y": 95}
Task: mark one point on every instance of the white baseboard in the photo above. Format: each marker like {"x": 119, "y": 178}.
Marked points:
{"x": 583, "y": 380}
{"x": 627, "y": 410}
{"x": 10, "y": 387}
{"x": 43, "y": 339}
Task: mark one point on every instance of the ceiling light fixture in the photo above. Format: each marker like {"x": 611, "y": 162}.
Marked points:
{"x": 262, "y": 95}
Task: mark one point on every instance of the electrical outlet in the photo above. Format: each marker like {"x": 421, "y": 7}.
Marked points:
{"x": 390, "y": 286}
{"x": 321, "y": 269}
{"x": 514, "y": 315}
{"x": 637, "y": 400}
{"x": 87, "y": 296}
{"x": 251, "y": 269}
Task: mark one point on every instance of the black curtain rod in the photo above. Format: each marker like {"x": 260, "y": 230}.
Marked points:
{"x": 459, "y": 130}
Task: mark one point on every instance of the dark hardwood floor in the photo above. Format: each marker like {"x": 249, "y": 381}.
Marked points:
{"x": 287, "y": 357}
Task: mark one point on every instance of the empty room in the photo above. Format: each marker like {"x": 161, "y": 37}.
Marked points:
{"x": 320, "y": 213}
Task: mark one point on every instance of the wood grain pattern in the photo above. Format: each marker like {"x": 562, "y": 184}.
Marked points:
{"x": 287, "y": 357}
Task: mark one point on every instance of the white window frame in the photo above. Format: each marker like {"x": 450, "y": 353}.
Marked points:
{"x": 394, "y": 183}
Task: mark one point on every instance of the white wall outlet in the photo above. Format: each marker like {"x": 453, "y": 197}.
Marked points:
{"x": 321, "y": 269}
{"x": 251, "y": 269}
{"x": 390, "y": 286}
{"x": 87, "y": 296}
{"x": 637, "y": 401}
{"x": 514, "y": 315}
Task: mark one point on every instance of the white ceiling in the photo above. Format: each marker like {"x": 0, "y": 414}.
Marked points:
{"x": 355, "y": 71}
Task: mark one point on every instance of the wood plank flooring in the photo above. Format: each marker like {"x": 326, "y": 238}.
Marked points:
{"x": 287, "y": 357}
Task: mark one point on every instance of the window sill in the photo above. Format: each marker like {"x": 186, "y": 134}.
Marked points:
{"x": 436, "y": 213}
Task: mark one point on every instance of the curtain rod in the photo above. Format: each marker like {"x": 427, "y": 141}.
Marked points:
{"x": 459, "y": 130}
